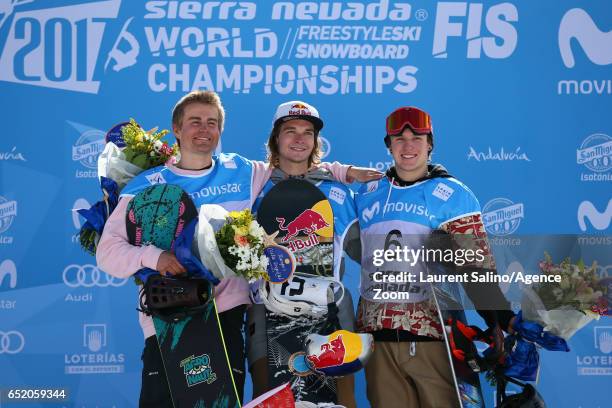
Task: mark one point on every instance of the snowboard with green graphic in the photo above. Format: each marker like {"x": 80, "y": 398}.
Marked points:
{"x": 192, "y": 347}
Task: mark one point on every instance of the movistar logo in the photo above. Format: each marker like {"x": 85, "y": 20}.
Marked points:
{"x": 217, "y": 190}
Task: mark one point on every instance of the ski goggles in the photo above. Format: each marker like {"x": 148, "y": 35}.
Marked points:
{"x": 419, "y": 121}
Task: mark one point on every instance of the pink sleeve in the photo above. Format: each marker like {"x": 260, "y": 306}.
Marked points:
{"x": 339, "y": 170}
{"x": 115, "y": 255}
{"x": 261, "y": 174}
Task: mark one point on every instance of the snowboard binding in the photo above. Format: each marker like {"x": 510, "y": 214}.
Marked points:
{"x": 494, "y": 362}
{"x": 462, "y": 338}
{"x": 528, "y": 398}
{"x": 172, "y": 298}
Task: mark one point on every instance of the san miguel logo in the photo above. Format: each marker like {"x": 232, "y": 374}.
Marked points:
{"x": 313, "y": 223}
{"x": 197, "y": 370}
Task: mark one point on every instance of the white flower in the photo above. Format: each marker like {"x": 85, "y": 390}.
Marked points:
{"x": 256, "y": 230}
{"x": 263, "y": 261}
{"x": 157, "y": 145}
{"x": 254, "y": 259}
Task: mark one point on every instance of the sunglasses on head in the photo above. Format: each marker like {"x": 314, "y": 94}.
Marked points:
{"x": 417, "y": 120}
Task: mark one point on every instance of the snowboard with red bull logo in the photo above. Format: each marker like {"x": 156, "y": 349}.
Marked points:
{"x": 302, "y": 217}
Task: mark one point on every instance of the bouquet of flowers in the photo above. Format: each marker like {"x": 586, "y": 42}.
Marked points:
{"x": 564, "y": 308}
{"x": 143, "y": 150}
{"x": 231, "y": 243}
{"x": 116, "y": 167}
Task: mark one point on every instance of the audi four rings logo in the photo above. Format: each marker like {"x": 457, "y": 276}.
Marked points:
{"x": 88, "y": 276}
{"x": 11, "y": 342}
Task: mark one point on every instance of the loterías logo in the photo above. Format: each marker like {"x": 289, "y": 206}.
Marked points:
{"x": 59, "y": 47}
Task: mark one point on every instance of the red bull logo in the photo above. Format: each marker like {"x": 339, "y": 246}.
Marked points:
{"x": 339, "y": 353}
{"x": 332, "y": 354}
{"x": 299, "y": 109}
{"x": 308, "y": 222}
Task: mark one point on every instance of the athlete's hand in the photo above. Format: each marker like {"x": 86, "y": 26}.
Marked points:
{"x": 167, "y": 264}
{"x": 362, "y": 174}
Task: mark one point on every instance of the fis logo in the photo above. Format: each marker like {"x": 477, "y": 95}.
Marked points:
{"x": 498, "y": 21}
{"x": 59, "y": 47}
{"x": 155, "y": 178}
{"x": 599, "y": 220}
{"x": 8, "y": 269}
{"x": 596, "y": 44}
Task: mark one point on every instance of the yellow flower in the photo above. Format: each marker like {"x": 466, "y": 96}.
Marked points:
{"x": 240, "y": 230}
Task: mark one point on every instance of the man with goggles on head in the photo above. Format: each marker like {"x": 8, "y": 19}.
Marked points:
{"x": 410, "y": 366}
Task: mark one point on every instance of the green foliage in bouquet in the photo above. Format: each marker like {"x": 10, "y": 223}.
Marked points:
{"x": 145, "y": 149}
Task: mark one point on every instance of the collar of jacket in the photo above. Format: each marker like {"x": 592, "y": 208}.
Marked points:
{"x": 313, "y": 175}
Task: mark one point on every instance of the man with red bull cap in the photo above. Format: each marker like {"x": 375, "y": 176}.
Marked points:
{"x": 410, "y": 366}
{"x": 294, "y": 151}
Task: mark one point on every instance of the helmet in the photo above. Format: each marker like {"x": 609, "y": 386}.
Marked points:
{"x": 313, "y": 301}
{"x": 416, "y": 119}
{"x": 338, "y": 354}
